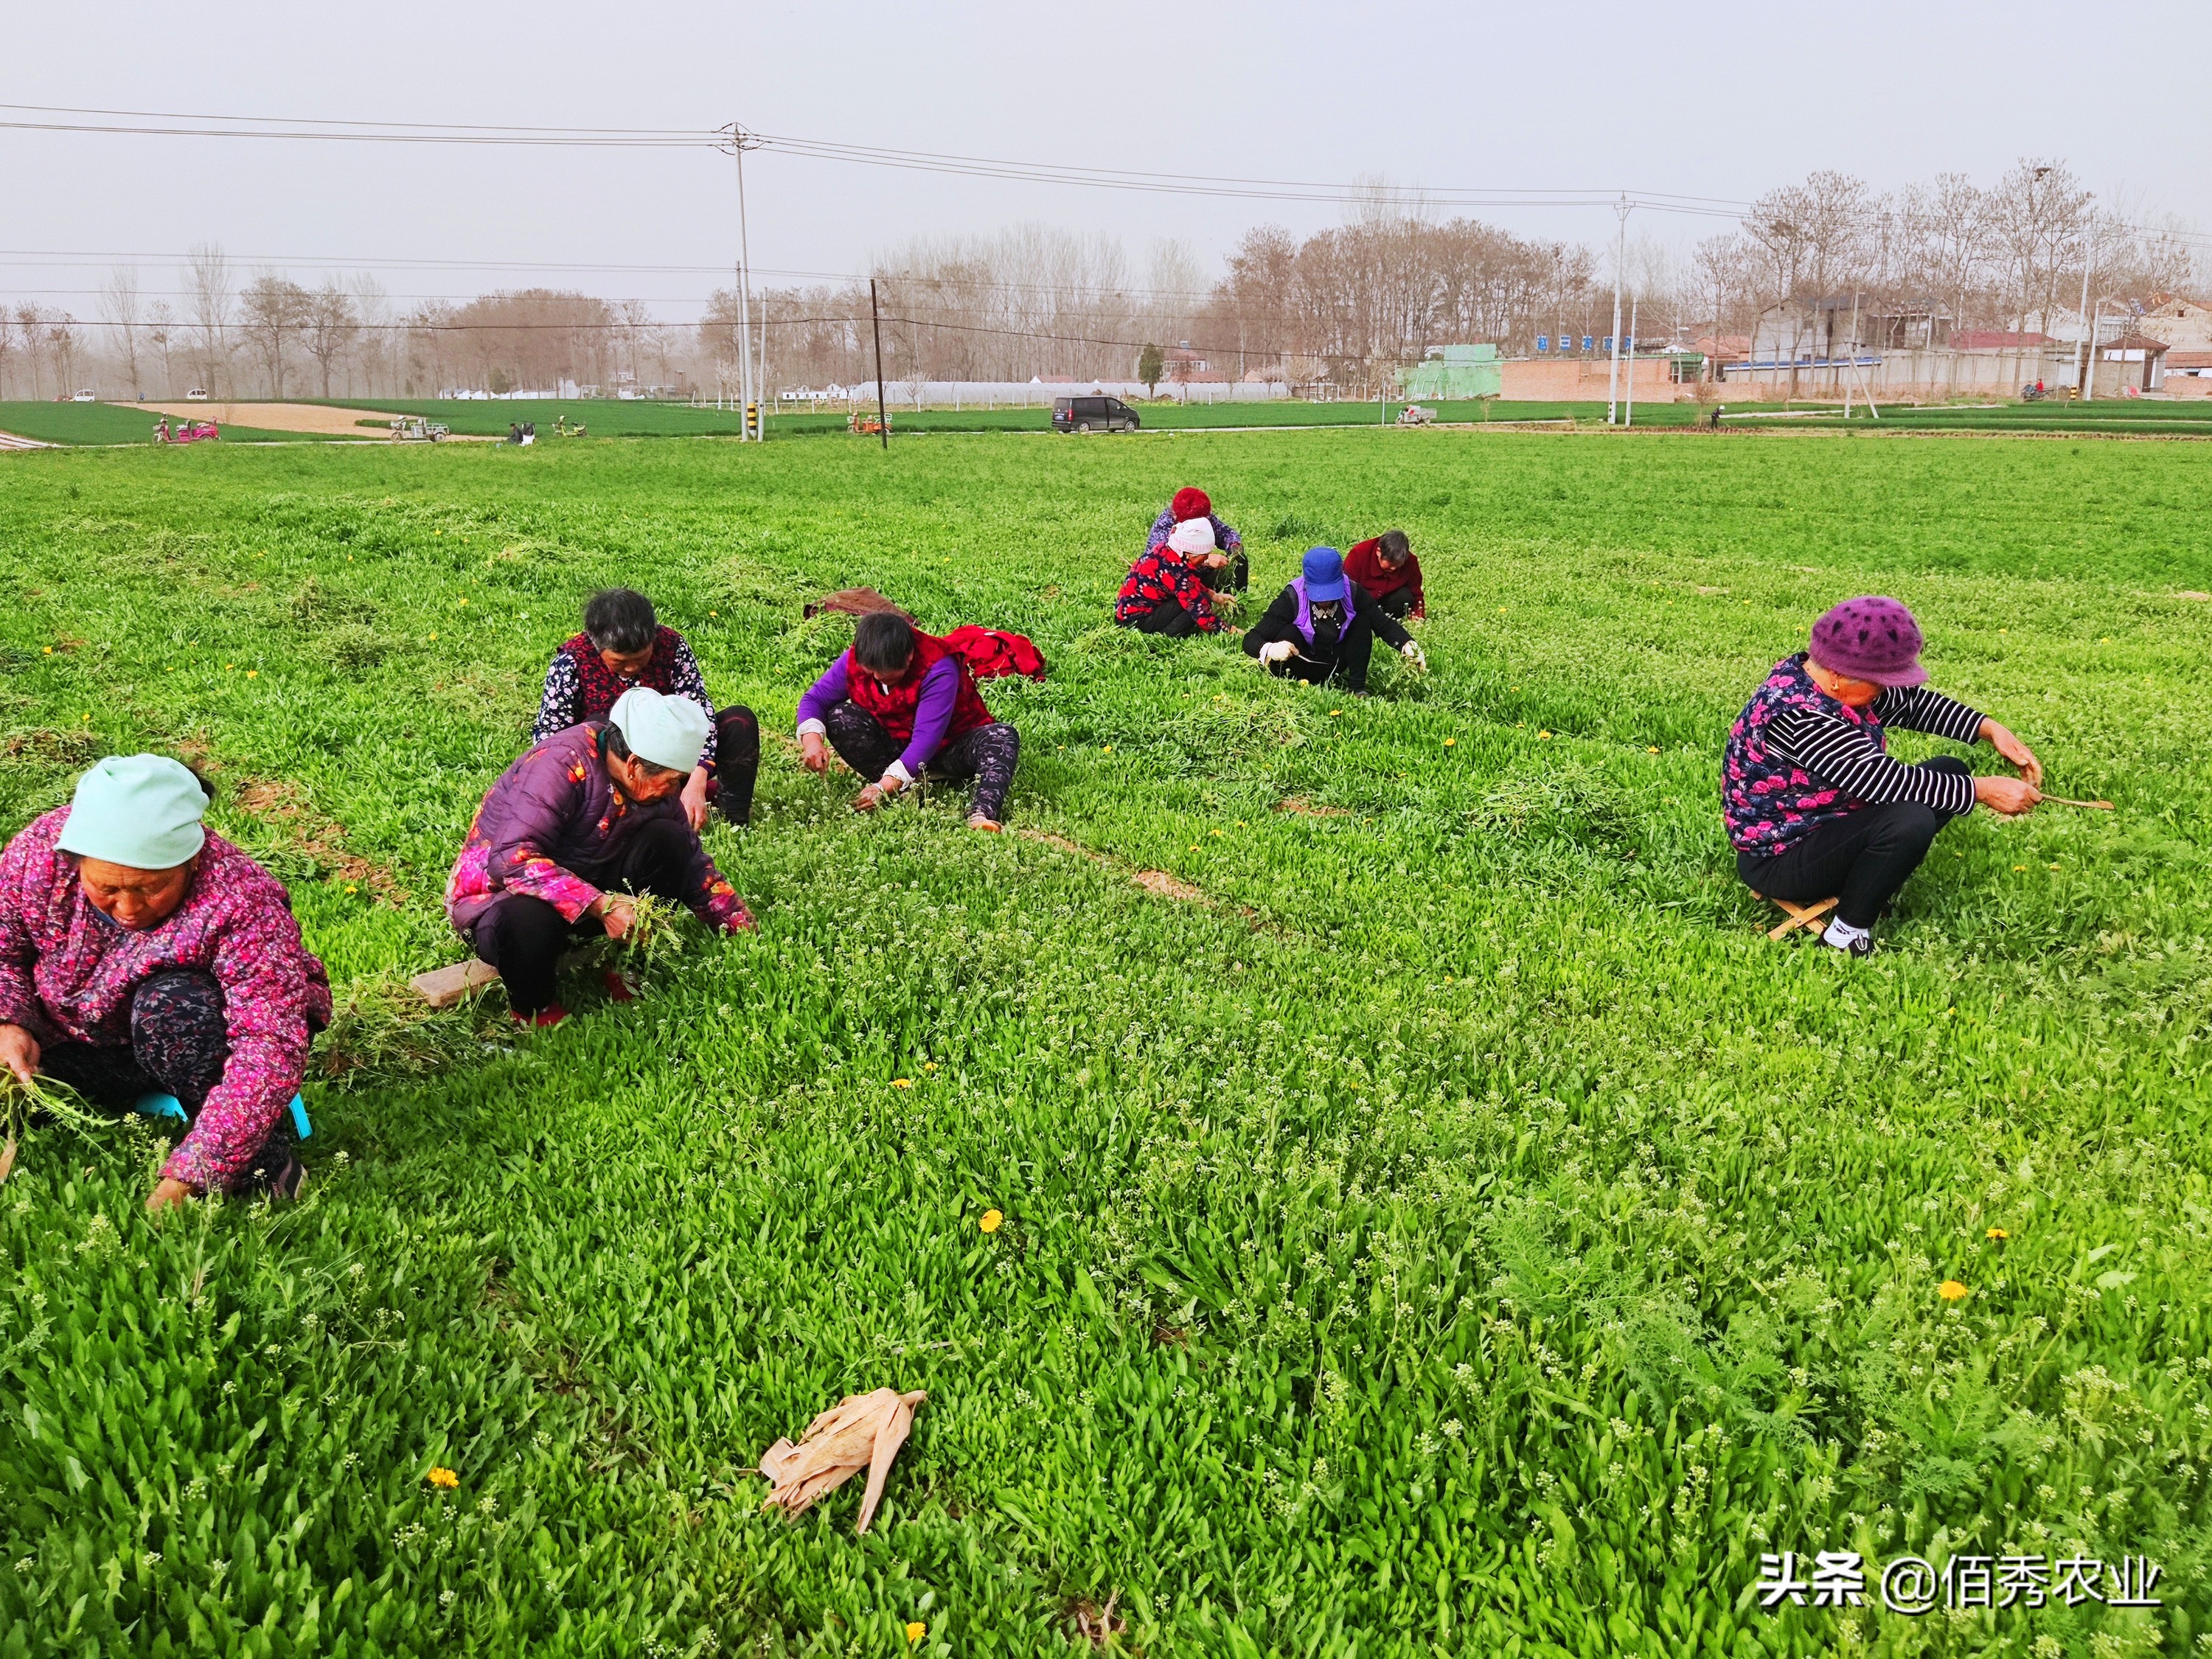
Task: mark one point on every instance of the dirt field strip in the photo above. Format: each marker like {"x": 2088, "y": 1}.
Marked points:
{"x": 273, "y": 417}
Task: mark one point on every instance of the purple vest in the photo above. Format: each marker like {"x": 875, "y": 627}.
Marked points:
{"x": 1767, "y": 803}
{"x": 1303, "y": 622}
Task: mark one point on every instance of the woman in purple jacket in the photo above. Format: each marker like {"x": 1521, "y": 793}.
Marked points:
{"x": 564, "y": 837}
{"x": 148, "y": 962}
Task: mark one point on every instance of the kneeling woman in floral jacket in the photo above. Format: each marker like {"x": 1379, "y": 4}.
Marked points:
{"x": 568, "y": 833}
{"x": 146, "y": 962}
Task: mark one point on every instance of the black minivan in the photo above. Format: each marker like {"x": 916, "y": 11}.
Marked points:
{"x": 1093, "y": 415}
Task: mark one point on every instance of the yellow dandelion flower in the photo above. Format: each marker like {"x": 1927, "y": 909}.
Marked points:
{"x": 1215, "y": 832}
{"x": 2054, "y": 866}
{"x": 434, "y": 636}
{"x": 444, "y": 1477}
{"x": 255, "y": 674}
{"x": 49, "y": 651}
{"x": 1546, "y": 736}
{"x": 1997, "y": 1233}
{"x": 916, "y": 1631}
{"x": 1108, "y": 749}
{"x": 1449, "y": 742}
{"x": 928, "y": 1065}
{"x": 1952, "y": 1290}
{"x": 1653, "y": 750}
{"x": 2018, "y": 867}
{"x": 1333, "y": 712}
{"x": 901, "y": 1082}
{"x": 990, "y": 1221}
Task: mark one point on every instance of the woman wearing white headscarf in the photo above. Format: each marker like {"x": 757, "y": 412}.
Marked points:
{"x": 568, "y": 833}
{"x": 146, "y": 961}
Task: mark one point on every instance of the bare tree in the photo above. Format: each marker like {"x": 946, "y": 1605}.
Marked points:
{"x": 119, "y": 302}
{"x": 7, "y": 349}
{"x": 161, "y": 333}
{"x": 208, "y": 280}
{"x": 30, "y": 324}
{"x": 2040, "y": 216}
{"x": 330, "y": 324}
{"x": 373, "y": 351}
{"x": 274, "y": 309}
{"x": 65, "y": 348}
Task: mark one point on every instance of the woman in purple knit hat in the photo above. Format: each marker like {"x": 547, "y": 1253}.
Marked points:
{"x": 1813, "y": 802}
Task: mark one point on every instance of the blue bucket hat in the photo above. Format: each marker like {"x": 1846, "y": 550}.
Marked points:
{"x": 1324, "y": 574}
{"x": 140, "y": 810}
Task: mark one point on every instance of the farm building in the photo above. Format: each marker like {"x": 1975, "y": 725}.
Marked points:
{"x": 1455, "y": 371}
{"x": 2189, "y": 375}
{"x": 2134, "y": 363}
{"x": 2184, "y": 324}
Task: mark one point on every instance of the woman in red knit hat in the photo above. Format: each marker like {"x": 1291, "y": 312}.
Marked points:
{"x": 1225, "y": 570}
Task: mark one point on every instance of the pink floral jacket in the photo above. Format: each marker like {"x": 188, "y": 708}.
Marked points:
{"x": 553, "y": 818}
{"x": 68, "y": 974}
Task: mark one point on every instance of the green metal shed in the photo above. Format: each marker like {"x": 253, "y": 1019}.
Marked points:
{"x": 1455, "y": 371}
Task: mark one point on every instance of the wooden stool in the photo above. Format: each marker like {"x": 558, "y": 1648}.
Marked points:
{"x": 1798, "y": 915}
{"x": 442, "y": 988}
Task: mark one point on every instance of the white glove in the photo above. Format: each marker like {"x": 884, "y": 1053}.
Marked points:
{"x": 1277, "y": 651}
{"x": 1411, "y": 650}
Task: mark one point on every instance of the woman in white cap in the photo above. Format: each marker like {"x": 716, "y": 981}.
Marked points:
{"x": 1166, "y": 591}
{"x": 588, "y": 817}
{"x": 145, "y": 961}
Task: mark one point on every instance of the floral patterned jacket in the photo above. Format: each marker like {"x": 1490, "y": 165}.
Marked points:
{"x": 68, "y": 974}
{"x": 554, "y": 820}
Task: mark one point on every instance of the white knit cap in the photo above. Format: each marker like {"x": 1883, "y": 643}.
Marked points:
{"x": 670, "y": 732}
{"x": 1193, "y": 536}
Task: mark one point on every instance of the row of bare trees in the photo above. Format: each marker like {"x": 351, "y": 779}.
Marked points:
{"x": 1345, "y": 305}
{"x": 2010, "y": 256}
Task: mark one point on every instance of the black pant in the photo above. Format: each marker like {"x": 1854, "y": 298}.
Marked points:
{"x": 737, "y": 762}
{"x": 988, "y": 754}
{"x": 523, "y": 937}
{"x": 1860, "y": 859}
{"x": 1167, "y": 619}
{"x": 1397, "y": 603}
{"x": 179, "y": 1044}
{"x": 1348, "y": 668}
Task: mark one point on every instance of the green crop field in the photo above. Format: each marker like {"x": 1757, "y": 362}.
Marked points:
{"x": 107, "y": 424}
{"x": 1437, "y": 1220}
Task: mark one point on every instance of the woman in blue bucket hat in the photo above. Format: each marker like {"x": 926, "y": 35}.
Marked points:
{"x": 1322, "y": 628}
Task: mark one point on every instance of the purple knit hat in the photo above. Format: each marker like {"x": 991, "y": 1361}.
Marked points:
{"x": 1870, "y": 639}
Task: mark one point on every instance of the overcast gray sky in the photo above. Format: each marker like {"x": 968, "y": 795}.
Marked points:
{"x": 1719, "y": 100}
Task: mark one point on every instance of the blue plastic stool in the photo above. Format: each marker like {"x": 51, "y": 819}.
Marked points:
{"x": 158, "y": 1105}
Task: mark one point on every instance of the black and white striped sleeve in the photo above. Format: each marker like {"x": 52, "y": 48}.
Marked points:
{"x": 1843, "y": 757}
{"x": 1918, "y": 709}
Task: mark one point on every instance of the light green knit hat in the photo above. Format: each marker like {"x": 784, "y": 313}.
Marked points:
{"x": 141, "y": 810}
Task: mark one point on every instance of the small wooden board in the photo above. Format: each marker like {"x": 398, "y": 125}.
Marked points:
{"x": 444, "y": 986}
{"x": 1798, "y": 915}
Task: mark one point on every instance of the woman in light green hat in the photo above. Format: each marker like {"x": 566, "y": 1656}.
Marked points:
{"x": 146, "y": 962}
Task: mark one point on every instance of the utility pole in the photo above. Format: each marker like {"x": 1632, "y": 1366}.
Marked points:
{"x": 740, "y": 141}
{"x": 2088, "y": 369}
{"x": 2089, "y": 379}
{"x": 1633, "y": 306}
{"x": 876, "y": 321}
{"x": 1619, "y": 258}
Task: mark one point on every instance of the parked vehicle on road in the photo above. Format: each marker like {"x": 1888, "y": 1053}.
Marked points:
{"x": 185, "y": 432}
{"x": 196, "y": 395}
{"x": 414, "y": 429}
{"x": 86, "y": 397}
{"x": 1093, "y": 415}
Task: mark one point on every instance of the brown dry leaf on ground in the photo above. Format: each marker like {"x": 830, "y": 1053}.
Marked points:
{"x": 860, "y": 1431}
{"x": 1168, "y": 886}
{"x": 1304, "y": 808}
{"x": 280, "y": 804}
{"x": 1095, "y": 1625}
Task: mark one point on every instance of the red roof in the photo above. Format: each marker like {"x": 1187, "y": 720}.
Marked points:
{"x": 2189, "y": 359}
{"x": 1996, "y": 339}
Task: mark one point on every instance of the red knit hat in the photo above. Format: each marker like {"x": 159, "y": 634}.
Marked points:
{"x": 1190, "y": 503}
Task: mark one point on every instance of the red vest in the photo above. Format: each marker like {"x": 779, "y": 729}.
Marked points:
{"x": 893, "y": 705}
